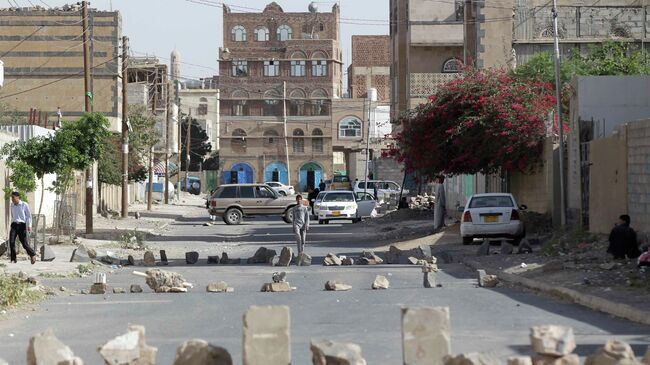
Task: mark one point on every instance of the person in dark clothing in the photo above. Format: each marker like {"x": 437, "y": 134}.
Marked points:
{"x": 321, "y": 186}
{"x": 313, "y": 193}
{"x": 403, "y": 204}
{"x": 622, "y": 240}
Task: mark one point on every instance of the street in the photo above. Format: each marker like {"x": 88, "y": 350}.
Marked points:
{"x": 496, "y": 320}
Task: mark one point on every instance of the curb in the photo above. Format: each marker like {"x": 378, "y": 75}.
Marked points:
{"x": 107, "y": 236}
{"x": 587, "y": 300}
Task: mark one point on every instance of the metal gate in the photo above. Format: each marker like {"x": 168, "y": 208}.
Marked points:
{"x": 65, "y": 215}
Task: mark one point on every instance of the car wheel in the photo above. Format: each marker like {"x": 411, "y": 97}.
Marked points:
{"x": 233, "y": 216}
{"x": 320, "y": 221}
{"x": 288, "y": 216}
{"x": 356, "y": 220}
{"x": 282, "y": 193}
{"x": 468, "y": 240}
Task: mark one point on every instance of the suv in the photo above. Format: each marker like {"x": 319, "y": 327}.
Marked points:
{"x": 233, "y": 202}
{"x": 384, "y": 188}
{"x": 338, "y": 182}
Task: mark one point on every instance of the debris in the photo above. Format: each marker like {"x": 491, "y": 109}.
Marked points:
{"x": 520, "y": 360}
{"x": 129, "y": 349}
{"x": 285, "y": 256}
{"x": 266, "y": 336}
{"x": 348, "y": 261}
{"x": 372, "y": 258}
{"x": 191, "y": 258}
{"x": 552, "y": 340}
{"x": 279, "y": 277}
{"x": 506, "y": 248}
{"x": 98, "y": 288}
{"x": 524, "y": 247}
{"x": 426, "y": 335}
{"x": 336, "y": 353}
{"x": 332, "y": 260}
{"x": 380, "y": 282}
{"x": 263, "y": 255}
{"x": 397, "y": 256}
{"x": 304, "y": 259}
{"x": 80, "y": 254}
{"x": 611, "y": 354}
{"x": 149, "y": 259}
{"x": 199, "y": 352}
{"x": 484, "y": 249}
{"x": 162, "y": 281}
{"x": 119, "y": 291}
{"x": 276, "y": 287}
{"x": 571, "y": 359}
{"x": 473, "y": 358}
{"x": 47, "y": 254}
{"x": 487, "y": 281}
{"x": 218, "y": 287}
{"x": 213, "y": 260}
{"x": 135, "y": 288}
{"x": 336, "y": 286}
{"x": 45, "y": 349}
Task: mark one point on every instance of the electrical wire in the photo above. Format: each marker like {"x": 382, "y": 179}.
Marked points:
{"x": 22, "y": 41}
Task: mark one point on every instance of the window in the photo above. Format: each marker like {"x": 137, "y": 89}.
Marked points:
{"x": 270, "y": 137}
{"x": 317, "y": 141}
{"x": 319, "y": 106}
{"x": 271, "y": 108}
{"x": 297, "y": 103}
{"x": 451, "y": 66}
{"x": 246, "y": 192}
{"x": 238, "y": 34}
{"x": 261, "y": 34}
{"x": 297, "y": 68}
{"x": 496, "y": 201}
{"x": 271, "y": 68}
{"x": 203, "y": 106}
{"x": 239, "y": 68}
{"x": 350, "y": 128}
{"x": 298, "y": 141}
{"x": 284, "y": 33}
{"x": 238, "y": 142}
{"x": 319, "y": 68}
{"x": 228, "y": 192}
{"x": 239, "y": 108}
{"x": 264, "y": 192}
{"x": 339, "y": 197}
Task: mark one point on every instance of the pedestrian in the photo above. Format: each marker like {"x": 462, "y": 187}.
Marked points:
{"x": 374, "y": 190}
{"x": 321, "y": 186}
{"x": 439, "y": 210}
{"x": 403, "y": 204}
{"x": 300, "y": 223}
{"x": 622, "y": 240}
{"x": 311, "y": 197}
{"x": 21, "y": 224}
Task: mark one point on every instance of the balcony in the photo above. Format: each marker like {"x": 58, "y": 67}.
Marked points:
{"x": 424, "y": 85}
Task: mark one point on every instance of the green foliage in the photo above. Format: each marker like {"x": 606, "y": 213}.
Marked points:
{"x": 15, "y": 291}
{"x": 22, "y": 179}
{"x": 10, "y": 116}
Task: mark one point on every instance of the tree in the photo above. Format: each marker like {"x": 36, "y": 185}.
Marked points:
{"x": 483, "y": 122}
{"x": 199, "y": 145}
{"x": 10, "y": 116}
{"x": 212, "y": 162}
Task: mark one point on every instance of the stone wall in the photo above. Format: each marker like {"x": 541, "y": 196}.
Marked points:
{"x": 638, "y": 173}
{"x": 370, "y": 67}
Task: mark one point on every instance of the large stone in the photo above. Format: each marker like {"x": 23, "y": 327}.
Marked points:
{"x": 473, "y": 358}
{"x": 163, "y": 257}
{"x": 397, "y": 256}
{"x": 520, "y": 360}
{"x": 218, "y": 287}
{"x": 525, "y": 247}
{"x": 370, "y": 255}
{"x": 4, "y": 247}
{"x": 45, "y": 349}
{"x": 213, "y": 260}
{"x": 149, "y": 259}
{"x": 80, "y": 254}
{"x": 266, "y": 338}
{"x": 425, "y": 335}
{"x": 552, "y": 340}
{"x": 484, "y": 249}
{"x": 98, "y": 288}
{"x": 279, "y": 277}
{"x": 332, "y": 260}
{"x": 263, "y": 255}
{"x": 286, "y": 255}
{"x": 487, "y": 281}
{"x": 119, "y": 291}
{"x": 162, "y": 281}
{"x": 199, "y": 352}
{"x": 571, "y": 359}
{"x": 304, "y": 259}
{"x": 108, "y": 257}
{"x": 47, "y": 254}
{"x": 129, "y": 349}
{"x": 135, "y": 288}
{"x": 506, "y": 248}
{"x": 348, "y": 261}
{"x": 191, "y": 258}
{"x": 380, "y": 282}
{"x": 611, "y": 354}
{"x": 276, "y": 287}
{"x": 336, "y": 353}
{"x": 333, "y": 285}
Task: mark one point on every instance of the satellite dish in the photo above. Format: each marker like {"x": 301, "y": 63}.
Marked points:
{"x": 313, "y": 7}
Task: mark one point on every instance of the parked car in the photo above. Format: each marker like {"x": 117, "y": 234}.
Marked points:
{"x": 192, "y": 185}
{"x": 280, "y": 188}
{"x": 492, "y": 216}
{"x": 342, "y": 205}
{"x": 317, "y": 202}
{"x": 236, "y": 201}
{"x": 338, "y": 182}
{"x": 384, "y": 187}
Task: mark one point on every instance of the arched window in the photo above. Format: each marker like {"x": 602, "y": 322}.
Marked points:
{"x": 203, "y": 106}
{"x": 319, "y": 104}
{"x": 298, "y": 141}
{"x": 270, "y": 137}
{"x": 239, "y": 103}
{"x": 238, "y": 34}
{"x": 284, "y": 32}
{"x": 261, "y": 34}
{"x": 238, "y": 141}
{"x": 271, "y": 68}
{"x": 272, "y": 103}
{"x": 350, "y": 127}
{"x": 317, "y": 141}
{"x": 297, "y": 103}
{"x": 452, "y": 65}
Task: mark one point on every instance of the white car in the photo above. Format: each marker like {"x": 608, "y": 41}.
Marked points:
{"x": 342, "y": 205}
{"x": 317, "y": 202}
{"x": 281, "y": 189}
{"x": 384, "y": 188}
{"x": 492, "y": 216}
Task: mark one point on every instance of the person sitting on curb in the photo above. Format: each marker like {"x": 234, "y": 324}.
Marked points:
{"x": 622, "y": 240}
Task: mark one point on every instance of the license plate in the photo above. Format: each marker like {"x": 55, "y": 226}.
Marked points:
{"x": 336, "y": 213}
{"x": 491, "y": 219}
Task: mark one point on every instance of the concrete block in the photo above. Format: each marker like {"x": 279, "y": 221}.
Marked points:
{"x": 425, "y": 335}
{"x": 266, "y": 339}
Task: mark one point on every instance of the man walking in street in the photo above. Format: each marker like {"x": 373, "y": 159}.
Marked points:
{"x": 21, "y": 224}
{"x": 300, "y": 223}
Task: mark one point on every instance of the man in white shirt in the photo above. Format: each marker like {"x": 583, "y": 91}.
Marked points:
{"x": 21, "y": 223}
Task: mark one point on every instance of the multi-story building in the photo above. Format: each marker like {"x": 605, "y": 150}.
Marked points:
{"x": 42, "y": 51}
{"x": 370, "y": 67}
{"x": 426, "y": 41}
{"x": 201, "y": 98}
{"x": 272, "y": 64}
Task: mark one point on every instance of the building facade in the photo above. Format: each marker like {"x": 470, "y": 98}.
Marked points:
{"x": 370, "y": 67}
{"x": 42, "y": 51}
{"x": 273, "y": 64}
{"x": 203, "y": 103}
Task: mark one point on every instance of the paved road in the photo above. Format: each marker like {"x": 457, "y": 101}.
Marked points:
{"x": 482, "y": 319}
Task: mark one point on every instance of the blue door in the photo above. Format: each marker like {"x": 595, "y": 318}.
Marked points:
{"x": 276, "y": 171}
{"x": 239, "y": 173}
{"x": 310, "y": 176}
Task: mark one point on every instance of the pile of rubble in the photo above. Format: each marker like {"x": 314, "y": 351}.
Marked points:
{"x": 422, "y": 202}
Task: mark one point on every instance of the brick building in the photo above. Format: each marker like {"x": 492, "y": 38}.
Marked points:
{"x": 43, "y": 61}
{"x": 263, "y": 53}
{"x": 370, "y": 67}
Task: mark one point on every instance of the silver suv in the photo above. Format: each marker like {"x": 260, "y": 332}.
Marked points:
{"x": 234, "y": 202}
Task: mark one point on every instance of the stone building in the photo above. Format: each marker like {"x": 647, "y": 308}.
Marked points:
{"x": 202, "y": 99}
{"x": 370, "y": 67}
{"x": 43, "y": 61}
{"x": 269, "y": 60}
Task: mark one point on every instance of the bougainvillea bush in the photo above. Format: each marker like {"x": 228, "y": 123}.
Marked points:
{"x": 483, "y": 122}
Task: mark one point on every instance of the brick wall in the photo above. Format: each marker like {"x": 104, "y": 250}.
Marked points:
{"x": 371, "y": 50}
{"x": 370, "y": 67}
{"x": 638, "y": 173}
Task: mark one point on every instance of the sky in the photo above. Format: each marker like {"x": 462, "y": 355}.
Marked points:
{"x": 155, "y": 27}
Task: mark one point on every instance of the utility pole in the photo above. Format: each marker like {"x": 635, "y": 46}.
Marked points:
{"x": 125, "y": 128}
{"x": 154, "y": 105}
{"x": 365, "y": 188}
{"x": 167, "y": 147}
{"x": 286, "y": 137}
{"x": 177, "y": 93}
{"x": 88, "y": 109}
{"x": 558, "y": 96}
{"x": 188, "y": 140}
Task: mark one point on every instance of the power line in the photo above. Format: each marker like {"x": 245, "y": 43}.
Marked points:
{"x": 22, "y": 41}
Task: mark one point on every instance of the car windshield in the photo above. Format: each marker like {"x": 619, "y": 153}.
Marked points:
{"x": 339, "y": 197}
{"x": 320, "y": 196}
{"x": 500, "y": 201}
